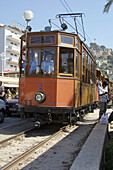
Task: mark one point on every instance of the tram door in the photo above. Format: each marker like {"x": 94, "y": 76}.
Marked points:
{"x": 66, "y": 63}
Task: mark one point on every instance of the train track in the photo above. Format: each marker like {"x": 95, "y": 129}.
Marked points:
{"x": 16, "y": 136}
{"x": 14, "y": 162}
{"x": 42, "y": 150}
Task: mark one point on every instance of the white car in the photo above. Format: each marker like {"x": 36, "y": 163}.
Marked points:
{"x": 2, "y": 110}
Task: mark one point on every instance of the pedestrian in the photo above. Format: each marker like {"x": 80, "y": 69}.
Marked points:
{"x": 103, "y": 96}
{"x": 2, "y": 94}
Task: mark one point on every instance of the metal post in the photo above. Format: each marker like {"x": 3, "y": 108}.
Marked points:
{"x": 26, "y": 62}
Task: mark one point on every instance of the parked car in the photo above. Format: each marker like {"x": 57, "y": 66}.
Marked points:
{"x": 2, "y": 110}
{"x": 12, "y": 106}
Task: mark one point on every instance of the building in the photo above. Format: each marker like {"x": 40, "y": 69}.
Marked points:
{"x": 9, "y": 48}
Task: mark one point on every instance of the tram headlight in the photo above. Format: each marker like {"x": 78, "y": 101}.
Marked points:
{"x": 40, "y": 97}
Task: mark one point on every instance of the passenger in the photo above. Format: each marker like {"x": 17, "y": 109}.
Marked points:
{"x": 47, "y": 65}
{"x": 2, "y": 94}
{"x": 33, "y": 65}
{"x": 8, "y": 94}
{"x": 103, "y": 95}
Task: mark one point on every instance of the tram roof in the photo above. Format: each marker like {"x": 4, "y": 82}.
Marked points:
{"x": 50, "y": 32}
{"x": 56, "y": 32}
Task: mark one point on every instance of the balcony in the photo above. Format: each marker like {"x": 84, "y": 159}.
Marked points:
{"x": 13, "y": 50}
{"x": 11, "y": 61}
{"x": 13, "y": 39}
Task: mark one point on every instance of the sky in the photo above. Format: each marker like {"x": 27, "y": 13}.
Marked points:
{"x": 98, "y": 25}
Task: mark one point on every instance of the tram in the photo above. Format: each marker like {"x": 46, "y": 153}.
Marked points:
{"x": 66, "y": 89}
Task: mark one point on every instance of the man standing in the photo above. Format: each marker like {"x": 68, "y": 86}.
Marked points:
{"x": 103, "y": 95}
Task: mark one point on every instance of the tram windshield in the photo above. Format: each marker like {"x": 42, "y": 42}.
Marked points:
{"x": 40, "y": 61}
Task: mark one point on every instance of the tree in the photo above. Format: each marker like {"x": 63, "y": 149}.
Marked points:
{"x": 94, "y": 46}
{"x": 107, "y": 6}
{"x": 103, "y": 47}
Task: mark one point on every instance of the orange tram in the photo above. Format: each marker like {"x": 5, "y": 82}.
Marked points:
{"x": 65, "y": 90}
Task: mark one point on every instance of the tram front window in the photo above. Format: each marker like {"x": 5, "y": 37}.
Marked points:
{"x": 41, "y": 61}
{"x": 34, "y": 61}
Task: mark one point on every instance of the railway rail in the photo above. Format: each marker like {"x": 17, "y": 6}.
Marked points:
{"x": 28, "y": 152}
{"x": 16, "y": 136}
{"x": 63, "y": 136}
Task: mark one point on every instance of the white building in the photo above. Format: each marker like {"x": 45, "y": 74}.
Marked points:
{"x": 9, "y": 48}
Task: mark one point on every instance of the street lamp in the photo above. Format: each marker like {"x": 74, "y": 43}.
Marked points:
{"x": 28, "y": 16}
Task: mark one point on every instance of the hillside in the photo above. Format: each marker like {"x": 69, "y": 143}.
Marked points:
{"x": 104, "y": 58}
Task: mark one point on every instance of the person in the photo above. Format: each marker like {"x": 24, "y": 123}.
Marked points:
{"x": 2, "y": 94}
{"x": 8, "y": 94}
{"x": 0, "y": 83}
{"x": 33, "y": 66}
{"x": 47, "y": 65}
{"x": 103, "y": 96}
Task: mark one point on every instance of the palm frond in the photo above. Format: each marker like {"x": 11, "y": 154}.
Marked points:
{"x": 107, "y": 6}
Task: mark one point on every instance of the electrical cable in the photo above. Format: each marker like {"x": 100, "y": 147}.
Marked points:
{"x": 76, "y": 18}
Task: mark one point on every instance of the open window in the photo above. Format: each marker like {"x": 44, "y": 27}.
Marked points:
{"x": 66, "y": 62}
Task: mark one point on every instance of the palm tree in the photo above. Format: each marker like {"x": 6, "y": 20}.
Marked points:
{"x": 107, "y": 6}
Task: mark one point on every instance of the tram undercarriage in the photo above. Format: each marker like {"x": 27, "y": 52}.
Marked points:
{"x": 55, "y": 114}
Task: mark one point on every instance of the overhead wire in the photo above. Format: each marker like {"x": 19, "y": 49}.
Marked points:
{"x": 76, "y": 18}
{"x": 64, "y": 6}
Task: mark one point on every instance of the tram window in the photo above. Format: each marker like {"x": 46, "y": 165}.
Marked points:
{"x": 76, "y": 70}
{"x": 23, "y": 61}
{"x": 76, "y": 43}
{"x": 83, "y": 60}
{"x": 42, "y": 39}
{"x": 86, "y": 67}
{"x": 41, "y": 61}
{"x": 83, "y": 65}
{"x": 34, "y": 61}
{"x": 66, "y": 40}
{"x": 66, "y": 62}
{"x": 89, "y": 61}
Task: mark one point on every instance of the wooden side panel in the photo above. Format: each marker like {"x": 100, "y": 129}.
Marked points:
{"x": 94, "y": 94}
{"x": 77, "y": 93}
{"x": 59, "y": 92}
{"x": 65, "y": 92}
{"x": 89, "y": 94}
{"x": 30, "y": 86}
{"x": 84, "y": 96}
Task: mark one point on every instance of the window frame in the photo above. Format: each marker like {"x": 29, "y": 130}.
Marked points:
{"x": 69, "y": 54}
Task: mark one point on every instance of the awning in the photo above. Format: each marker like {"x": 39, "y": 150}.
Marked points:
{"x": 10, "y": 85}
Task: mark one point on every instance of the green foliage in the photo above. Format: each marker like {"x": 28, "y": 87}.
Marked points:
{"x": 94, "y": 46}
{"x": 102, "y": 47}
{"x": 108, "y": 164}
{"x": 110, "y": 57}
{"x": 100, "y": 57}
